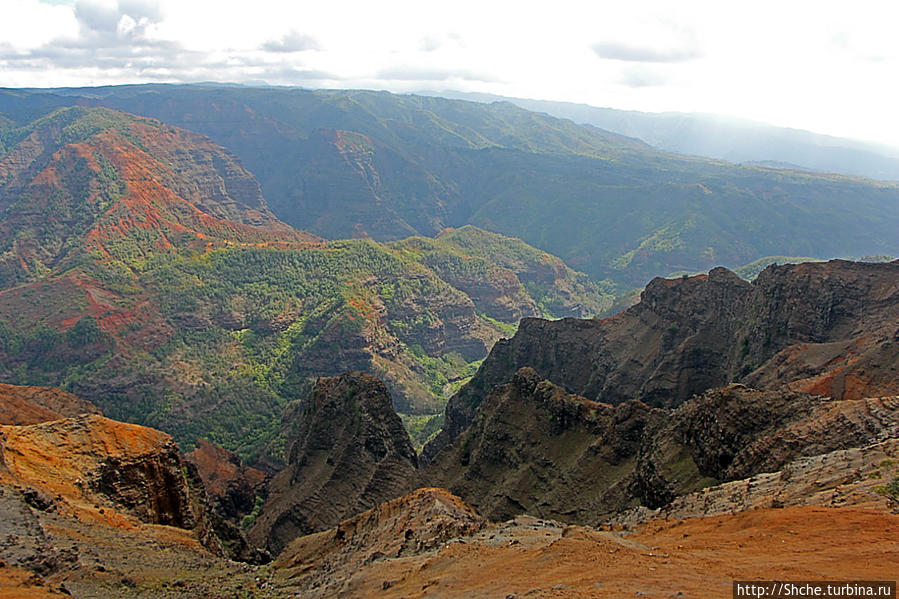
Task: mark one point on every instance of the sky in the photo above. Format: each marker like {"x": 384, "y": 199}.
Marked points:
{"x": 828, "y": 67}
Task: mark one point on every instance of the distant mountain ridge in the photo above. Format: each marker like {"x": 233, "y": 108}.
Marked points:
{"x": 359, "y": 163}
{"x": 731, "y": 139}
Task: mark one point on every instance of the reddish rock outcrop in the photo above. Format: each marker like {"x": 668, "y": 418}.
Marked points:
{"x": 408, "y": 526}
{"x": 22, "y": 405}
{"x": 113, "y": 474}
{"x": 92, "y": 461}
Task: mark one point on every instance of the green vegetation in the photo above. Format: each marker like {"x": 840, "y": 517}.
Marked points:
{"x": 609, "y": 206}
{"x": 250, "y": 518}
{"x": 750, "y": 271}
{"x": 217, "y": 337}
{"x": 200, "y": 331}
{"x": 422, "y": 428}
{"x": 890, "y": 491}
{"x": 248, "y": 326}
{"x": 495, "y": 269}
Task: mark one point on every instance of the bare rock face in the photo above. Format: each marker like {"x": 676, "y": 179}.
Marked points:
{"x": 322, "y": 564}
{"x": 348, "y": 452}
{"x": 824, "y": 328}
{"x": 830, "y": 329}
{"x": 534, "y": 448}
{"x": 734, "y": 432}
{"x": 22, "y": 405}
{"x": 91, "y": 460}
{"x": 102, "y": 470}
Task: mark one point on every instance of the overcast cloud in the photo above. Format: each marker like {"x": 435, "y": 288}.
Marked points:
{"x": 825, "y": 66}
{"x": 292, "y": 41}
{"x": 633, "y": 53}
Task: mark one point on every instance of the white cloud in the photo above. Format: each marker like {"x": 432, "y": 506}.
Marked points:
{"x": 26, "y": 24}
{"x": 824, "y": 65}
{"x": 292, "y": 41}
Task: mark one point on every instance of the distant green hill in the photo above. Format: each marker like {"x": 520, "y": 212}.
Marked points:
{"x": 356, "y": 163}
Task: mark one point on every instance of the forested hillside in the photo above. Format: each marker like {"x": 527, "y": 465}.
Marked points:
{"x": 141, "y": 267}
{"x": 354, "y": 163}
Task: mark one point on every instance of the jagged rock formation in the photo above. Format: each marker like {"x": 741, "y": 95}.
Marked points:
{"x": 65, "y": 536}
{"x": 88, "y": 503}
{"x": 734, "y": 432}
{"x": 20, "y": 405}
{"x": 321, "y": 564}
{"x": 348, "y": 452}
{"x": 533, "y": 448}
{"x": 827, "y": 328}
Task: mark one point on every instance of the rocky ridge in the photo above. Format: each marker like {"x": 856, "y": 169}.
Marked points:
{"x": 771, "y": 522}
{"x": 827, "y": 328}
{"x": 96, "y": 469}
{"x": 125, "y": 188}
{"x": 845, "y": 477}
{"x": 533, "y": 448}
{"x": 348, "y": 451}
{"x": 76, "y": 530}
{"x": 417, "y": 523}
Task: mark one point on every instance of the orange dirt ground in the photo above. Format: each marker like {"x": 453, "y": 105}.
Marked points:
{"x": 697, "y": 557}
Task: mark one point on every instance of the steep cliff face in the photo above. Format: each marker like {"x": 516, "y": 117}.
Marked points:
{"x": 827, "y": 328}
{"x": 348, "y": 452}
{"x": 533, "y": 448}
{"x": 115, "y": 476}
{"x": 734, "y": 432}
{"x": 839, "y": 478}
{"x": 91, "y": 460}
{"x": 673, "y": 344}
{"x": 94, "y": 507}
